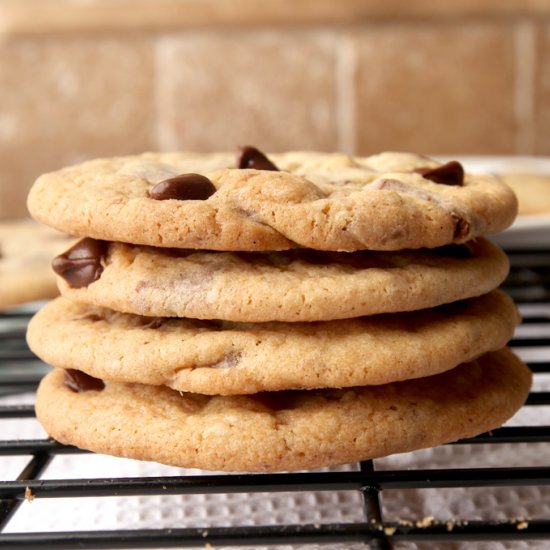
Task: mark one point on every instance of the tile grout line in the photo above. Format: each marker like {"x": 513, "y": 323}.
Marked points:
{"x": 524, "y": 93}
{"x": 163, "y": 140}
{"x": 346, "y": 94}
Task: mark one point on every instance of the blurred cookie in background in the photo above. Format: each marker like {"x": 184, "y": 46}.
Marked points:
{"x": 532, "y": 190}
{"x": 26, "y": 252}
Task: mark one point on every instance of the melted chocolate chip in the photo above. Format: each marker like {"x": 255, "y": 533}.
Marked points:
{"x": 81, "y": 264}
{"x": 250, "y": 157}
{"x": 450, "y": 173}
{"x": 186, "y": 187}
{"x": 79, "y": 381}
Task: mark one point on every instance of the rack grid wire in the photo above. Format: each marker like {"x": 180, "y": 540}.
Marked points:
{"x": 20, "y": 372}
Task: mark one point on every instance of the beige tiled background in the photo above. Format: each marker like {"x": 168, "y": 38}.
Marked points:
{"x": 87, "y": 79}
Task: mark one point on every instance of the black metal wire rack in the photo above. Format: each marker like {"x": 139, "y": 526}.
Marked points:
{"x": 529, "y": 285}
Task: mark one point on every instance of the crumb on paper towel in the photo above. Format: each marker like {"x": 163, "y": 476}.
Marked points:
{"x": 425, "y": 522}
{"x": 450, "y": 525}
{"x": 29, "y": 497}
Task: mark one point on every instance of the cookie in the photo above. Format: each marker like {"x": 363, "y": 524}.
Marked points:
{"x": 331, "y": 202}
{"x": 288, "y": 286}
{"x": 532, "y": 190}
{"x": 232, "y": 358}
{"x": 285, "y": 430}
{"x": 26, "y": 251}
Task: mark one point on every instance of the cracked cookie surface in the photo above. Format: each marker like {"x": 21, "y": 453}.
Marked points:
{"x": 321, "y": 201}
{"x": 288, "y": 286}
{"x": 286, "y": 430}
{"x": 227, "y": 358}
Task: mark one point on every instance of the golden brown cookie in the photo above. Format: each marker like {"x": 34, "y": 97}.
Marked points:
{"x": 333, "y": 202}
{"x": 289, "y": 286}
{"x": 234, "y": 358}
{"x": 283, "y": 431}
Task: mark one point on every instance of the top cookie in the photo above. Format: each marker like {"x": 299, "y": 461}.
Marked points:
{"x": 333, "y": 202}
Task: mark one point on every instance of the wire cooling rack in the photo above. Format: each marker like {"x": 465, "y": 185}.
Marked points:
{"x": 370, "y": 519}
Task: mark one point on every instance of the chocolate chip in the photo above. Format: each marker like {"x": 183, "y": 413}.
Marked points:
{"x": 450, "y": 173}
{"x": 81, "y": 264}
{"x": 186, "y": 187}
{"x": 79, "y": 381}
{"x": 250, "y": 157}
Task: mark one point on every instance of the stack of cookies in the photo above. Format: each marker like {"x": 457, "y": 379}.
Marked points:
{"x": 265, "y": 314}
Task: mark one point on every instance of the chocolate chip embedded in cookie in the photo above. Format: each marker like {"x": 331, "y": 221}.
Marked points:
{"x": 250, "y": 157}
{"x": 306, "y": 429}
{"x": 81, "y": 264}
{"x": 183, "y": 187}
{"x": 79, "y": 381}
{"x": 237, "y": 358}
{"x": 289, "y": 286}
{"x": 451, "y": 173}
{"x": 274, "y": 202}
